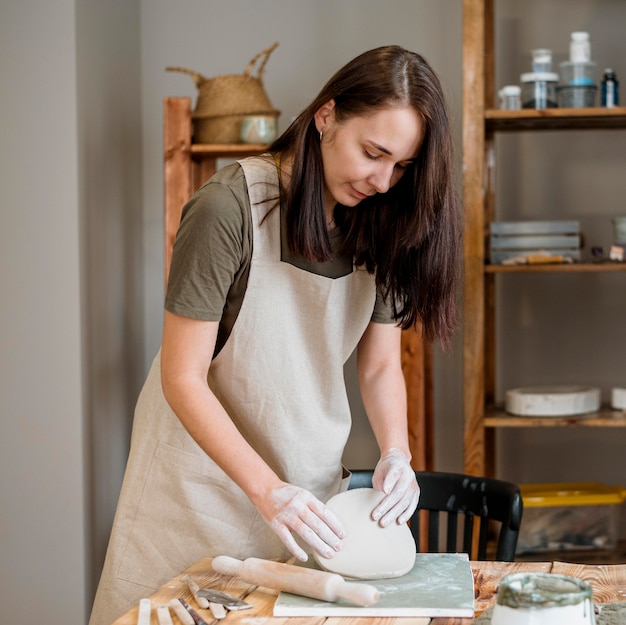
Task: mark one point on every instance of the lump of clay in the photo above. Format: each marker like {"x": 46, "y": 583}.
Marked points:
{"x": 369, "y": 550}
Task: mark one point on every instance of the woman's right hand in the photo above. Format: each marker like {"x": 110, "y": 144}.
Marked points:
{"x": 292, "y": 510}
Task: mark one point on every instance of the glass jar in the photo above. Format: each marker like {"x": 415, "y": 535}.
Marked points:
{"x": 619, "y": 229}
{"x": 579, "y": 73}
{"x": 510, "y": 98}
{"x": 539, "y": 90}
{"x": 543, "y": 599}
{"x": 542, "y": 60}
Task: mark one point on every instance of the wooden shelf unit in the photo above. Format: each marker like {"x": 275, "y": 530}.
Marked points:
{"x": 187, "y": 165}
{"x": 606, "y": 417}
{"x": 480, "y": 125}
{"x": 596, "y": 118}
{"x": 602, "y": 267}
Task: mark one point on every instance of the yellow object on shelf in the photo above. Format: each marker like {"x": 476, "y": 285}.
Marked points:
{"x": 569, "y": 516}
{"x": 571, "y": 494}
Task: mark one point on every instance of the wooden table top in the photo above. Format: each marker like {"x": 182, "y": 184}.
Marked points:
{"x": 608, "y": 583}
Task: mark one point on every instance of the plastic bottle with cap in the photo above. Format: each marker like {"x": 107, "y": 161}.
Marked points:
{"x": 578, "y": 85}
{"x": 579, "y": 70}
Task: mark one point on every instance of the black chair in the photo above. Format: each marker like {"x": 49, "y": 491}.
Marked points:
{"x": 463, "y": 497}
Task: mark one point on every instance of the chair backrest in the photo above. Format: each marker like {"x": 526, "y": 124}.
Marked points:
{"x": 463, "y": 500}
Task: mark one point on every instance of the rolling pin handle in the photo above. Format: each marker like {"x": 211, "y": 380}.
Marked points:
{"x": 361, "y": 594}
{"x": 227, "y": 565}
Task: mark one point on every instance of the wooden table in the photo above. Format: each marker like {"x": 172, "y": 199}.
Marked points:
{"x": 608, "y": 583}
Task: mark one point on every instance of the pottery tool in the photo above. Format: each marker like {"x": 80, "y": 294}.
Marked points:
{"x": 297, "y": 580}
{"x": 193, "y": 586}
{"x": 223, "y": 599}
{"x": 217, "y": 609}
{"x": 197, "y": 619}
{"x": 184, "y": 616}
{"x": 217, "y": 601}
{"x": 145, "y": 607}
{"x": 163, "y": 615}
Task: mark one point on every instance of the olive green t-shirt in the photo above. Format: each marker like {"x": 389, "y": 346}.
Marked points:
{"x": 212, "y": 252}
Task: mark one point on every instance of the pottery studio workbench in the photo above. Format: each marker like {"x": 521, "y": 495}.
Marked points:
{"x": 608, "y": 583}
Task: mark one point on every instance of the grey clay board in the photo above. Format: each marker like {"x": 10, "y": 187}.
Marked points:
{"x": 440, "y": 584}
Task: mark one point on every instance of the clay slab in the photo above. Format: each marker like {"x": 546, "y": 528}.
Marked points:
{"x": 369, "y": 550}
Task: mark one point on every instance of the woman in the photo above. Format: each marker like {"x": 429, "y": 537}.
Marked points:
{"x": 343, "y": 235}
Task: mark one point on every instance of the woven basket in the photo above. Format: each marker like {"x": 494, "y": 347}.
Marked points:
{"x": 223, "y": 101}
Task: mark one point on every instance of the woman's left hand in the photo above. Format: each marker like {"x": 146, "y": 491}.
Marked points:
{"x": 396, "y": 478}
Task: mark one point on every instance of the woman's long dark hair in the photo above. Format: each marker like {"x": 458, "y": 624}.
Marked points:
{"x": 411, "y": 235}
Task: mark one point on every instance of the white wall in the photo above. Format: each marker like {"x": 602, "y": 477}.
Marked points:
{"x": 41, "y": 427}
{"x": 70, "y": 336}
{"x": 108, "y": 82}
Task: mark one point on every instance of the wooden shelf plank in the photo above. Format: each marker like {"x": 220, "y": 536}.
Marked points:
{"x": 225, "y": 150}
{"x": 556, "y": 268}
{"x": 595, "y": 118}
{"x": 606, "y": 417}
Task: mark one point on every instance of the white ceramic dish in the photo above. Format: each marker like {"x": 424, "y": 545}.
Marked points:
{"x": 552, "y": 401}
{"x": 618, "y": 398}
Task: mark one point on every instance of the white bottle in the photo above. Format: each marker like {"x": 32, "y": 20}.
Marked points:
{"x": 579, "y": 48}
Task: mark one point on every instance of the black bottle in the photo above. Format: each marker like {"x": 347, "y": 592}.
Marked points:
{"x": 610, "y": 88}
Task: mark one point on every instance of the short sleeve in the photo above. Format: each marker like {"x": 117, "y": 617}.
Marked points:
{"x": 210, "y": 248}
{"x": 383, "y": 312}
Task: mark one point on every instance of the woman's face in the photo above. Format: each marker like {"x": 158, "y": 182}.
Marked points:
{"x": 366, "y": 155}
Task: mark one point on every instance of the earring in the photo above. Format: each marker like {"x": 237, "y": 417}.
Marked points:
{"x": 321, "y": 133}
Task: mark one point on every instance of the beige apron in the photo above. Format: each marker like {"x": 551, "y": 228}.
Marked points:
{"x": 280, "y": 377}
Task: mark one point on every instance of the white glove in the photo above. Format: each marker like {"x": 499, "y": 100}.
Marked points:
{"x": 294, "y": 509}
{"x": 396, "y": 478}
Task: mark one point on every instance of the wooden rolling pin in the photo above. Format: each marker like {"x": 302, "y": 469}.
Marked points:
{"x": 297, "y": 580}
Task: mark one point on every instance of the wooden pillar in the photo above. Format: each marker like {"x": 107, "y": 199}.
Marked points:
{"x": 417, "y": 368}
{"x": 177, "y": 167}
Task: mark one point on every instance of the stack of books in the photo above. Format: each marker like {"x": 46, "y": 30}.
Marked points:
{"x": 513, "y": 242}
